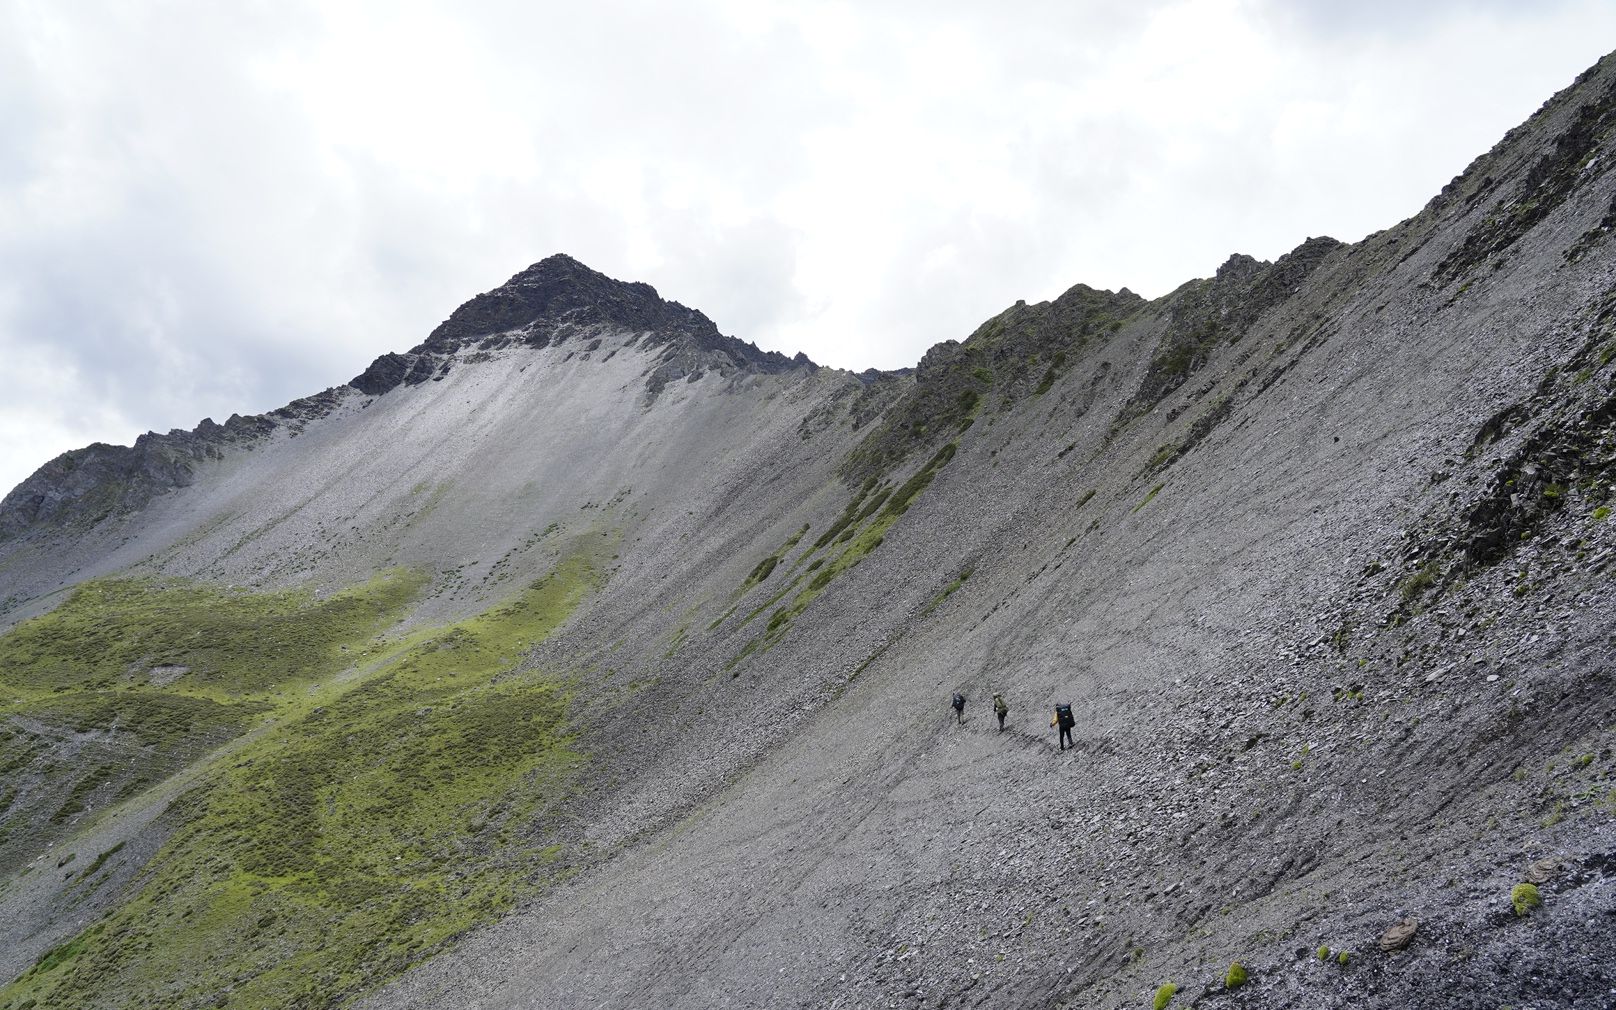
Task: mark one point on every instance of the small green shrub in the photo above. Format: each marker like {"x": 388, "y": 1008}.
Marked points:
{"x": 1419, "y": 582}
{"x": 100, "y": 861}
{"x": 1164, "y": 454}
{"x": 1601, "y": 513}
{"x": 1324, "y": 953}
{"x": 763, "y": 569}
{"x": 1525, "y": 898}
{"x": 1163, "y": 995}
{"x": 1343, "y": 957}
{"x": 1236, "y": 976}
{"x": 948, "y": 590}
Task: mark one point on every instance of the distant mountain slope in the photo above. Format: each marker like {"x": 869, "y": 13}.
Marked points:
{"x": 547, "y": 304}
{"x": 629, "y": 649}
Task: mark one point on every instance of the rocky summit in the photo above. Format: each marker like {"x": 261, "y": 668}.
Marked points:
{"x": 585, "y": 656}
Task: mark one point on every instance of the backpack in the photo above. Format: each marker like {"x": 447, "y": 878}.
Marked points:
{"x": 1063, "y": 715}
{"x": 959, "y": 700}
{"x": 1000, "y": 706}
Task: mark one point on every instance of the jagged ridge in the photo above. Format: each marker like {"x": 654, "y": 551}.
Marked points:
{"x": 83, "y": 486}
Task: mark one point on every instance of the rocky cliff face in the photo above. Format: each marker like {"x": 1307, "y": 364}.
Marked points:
{"x": 89, "y": 484}
{"x": 648, "y": 679}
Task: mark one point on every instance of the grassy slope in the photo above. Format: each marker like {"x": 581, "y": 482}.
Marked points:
{"x": 94, "y": 706}
{"x": 382, "y": 810}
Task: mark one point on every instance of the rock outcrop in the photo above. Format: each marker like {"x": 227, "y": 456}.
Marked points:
{"x": 85, "y": 486}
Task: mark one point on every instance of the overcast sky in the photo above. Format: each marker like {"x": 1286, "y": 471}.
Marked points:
{"x": 210, "y": 207}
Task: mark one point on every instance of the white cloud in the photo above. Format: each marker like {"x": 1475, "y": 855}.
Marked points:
{"x": 211, "y": 208}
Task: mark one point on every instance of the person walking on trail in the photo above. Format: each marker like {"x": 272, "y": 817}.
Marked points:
{"x": 959, "y": 707}
{"x": 1000, "y": 709}
{"x": 1063, "y": 719}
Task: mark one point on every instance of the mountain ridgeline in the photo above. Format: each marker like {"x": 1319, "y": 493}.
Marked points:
{"x": 583, "y": 655}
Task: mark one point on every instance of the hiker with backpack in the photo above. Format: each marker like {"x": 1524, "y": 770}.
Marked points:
{"x": 1000, "y": 709}
{"x": 959, "y": 707}
{"x": 1063, "y": 719}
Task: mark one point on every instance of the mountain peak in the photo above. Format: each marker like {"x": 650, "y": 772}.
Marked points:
{"x": 562, "y": 269}
{"x": 559, "y": 298}
{"x": 559, "y": 291}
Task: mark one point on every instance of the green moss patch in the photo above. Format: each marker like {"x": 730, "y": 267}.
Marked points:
{"x": 948, "y": 590}
{"x": 1415, "y": 585}
{"x": 767, "y": 565}
{"x": 1163, "y": 455}
{"x": 100, "y": 861}
{"x": 752, "y": 614}
{"x": 1164, "y": 995}
{"x": 1524, "y": 898}
{"x": 1149, "y": 497}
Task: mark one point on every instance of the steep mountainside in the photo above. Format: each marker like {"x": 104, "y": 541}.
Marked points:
{"x": 584, "y": 656}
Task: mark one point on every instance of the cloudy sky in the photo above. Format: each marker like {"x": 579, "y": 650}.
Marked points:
{"x": 215, "y": 207}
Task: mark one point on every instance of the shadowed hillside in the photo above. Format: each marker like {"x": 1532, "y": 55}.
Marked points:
{"x": 585, "y": 656}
